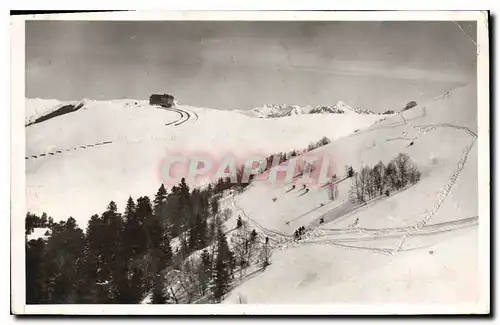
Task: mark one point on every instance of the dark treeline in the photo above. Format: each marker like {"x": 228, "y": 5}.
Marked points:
{"x": 121, "y": 258}
{"x": 380, "y": 179}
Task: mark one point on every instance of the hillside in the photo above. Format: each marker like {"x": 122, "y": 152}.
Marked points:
{"x": 417, "y": 245}
{"x": 108, "y": 150}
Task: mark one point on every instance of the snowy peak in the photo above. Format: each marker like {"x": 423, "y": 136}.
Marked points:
{"x": 278, "y": 110}
{"x": 282, "y": 110}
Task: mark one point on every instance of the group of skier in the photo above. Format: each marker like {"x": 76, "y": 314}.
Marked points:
{"x": 297, "y": 235}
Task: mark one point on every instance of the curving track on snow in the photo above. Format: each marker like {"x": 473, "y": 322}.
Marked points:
{"x": 184, "y": 116}
{"x": 419, "y": 229}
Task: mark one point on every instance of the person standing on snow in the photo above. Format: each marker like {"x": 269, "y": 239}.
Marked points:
{"x": 355, "y": 224}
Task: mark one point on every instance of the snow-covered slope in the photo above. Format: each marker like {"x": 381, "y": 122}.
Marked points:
{"x": 107, "y": 150}
{"x": 281, "y": 110}
{"x": 110, "y": 150}
{"x": 415, "y": 246}
{"x": 37, "y": 107}
{"x": 322, "y": 273}
{"x": 439, "y": 145}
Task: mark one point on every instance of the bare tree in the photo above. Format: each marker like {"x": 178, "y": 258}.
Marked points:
{"x": 183, "y": 283}
{"x": 172, "y": 280}
{"x": 363, "y": 182}
{"x": 403, "y": 163}
{"x": 356, "y": 189}
{"x": 265, "y": 254}
{"x": 226, "y": 213}
{"x": 333, "y": 191}
{"x": 391, "y": 176}
{"x": 189, "y": 281}
{"x": 378, "y": 177}
{"x": 413, "y": 175}
{"x": 243, "y": 246}
{"x": 369, "y": 182}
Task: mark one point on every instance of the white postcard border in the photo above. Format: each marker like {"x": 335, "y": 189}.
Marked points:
{"x": 18, "y": 166}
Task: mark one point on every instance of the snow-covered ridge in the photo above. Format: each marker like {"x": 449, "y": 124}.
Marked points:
{"x": 125, "y": 141}
{"x": 37, "y": 107}
{"x": 282, "y": 110}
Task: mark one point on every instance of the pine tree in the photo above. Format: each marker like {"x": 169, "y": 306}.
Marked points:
{"x": 214, "y": 204}
{"x": 148, "y": 239}
{"x": 160, "y": 252}
{"x": 30, "y": 223}
{"x": 173, "y": 211}
{"x": 35, "y": 272}
{"x": 222, "y": 270}
{"x": 198, "y": 233}
{"x": 93, "y": 256}
{"x": 134, "y": 236}
{"x": 239, "y": 222}
{"x": 220, "y": 280}
{"x": 103, "y": 255}
{"x": 159, "y": 203}
{"x": 129, "y": 209}
{"x": 121, "y": 289}
{"x": 64, "y": 264}
{"x": 113, "y": 226}
{"x": 184, "y": 209}
{"x": 160, "y": 296}
{"x": 349, "y": 171}
{"x": 160, "y": 208}
{"x": 43, "y": 220}
{"x": 136, "y": 242}
{"x": 253, "y": 236}
{"x": 204, "y": 272}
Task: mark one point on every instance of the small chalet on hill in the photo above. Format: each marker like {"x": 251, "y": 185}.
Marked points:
{"x": 164, "y": 100}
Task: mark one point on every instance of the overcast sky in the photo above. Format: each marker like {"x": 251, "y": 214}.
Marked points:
{"x": 241, "y": 65}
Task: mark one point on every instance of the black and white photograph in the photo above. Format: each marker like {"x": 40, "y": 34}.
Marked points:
{"x": 248, "y": 162}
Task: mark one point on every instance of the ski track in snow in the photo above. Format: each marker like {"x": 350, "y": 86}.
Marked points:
{"x": 284, "y": 241}
{"x": 422, "y": 130}
{"x": 184, "y": 117}
{"x": 275, "y": 236}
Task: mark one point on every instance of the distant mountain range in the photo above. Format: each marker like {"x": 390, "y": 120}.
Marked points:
{"x": 283, "y": 110}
